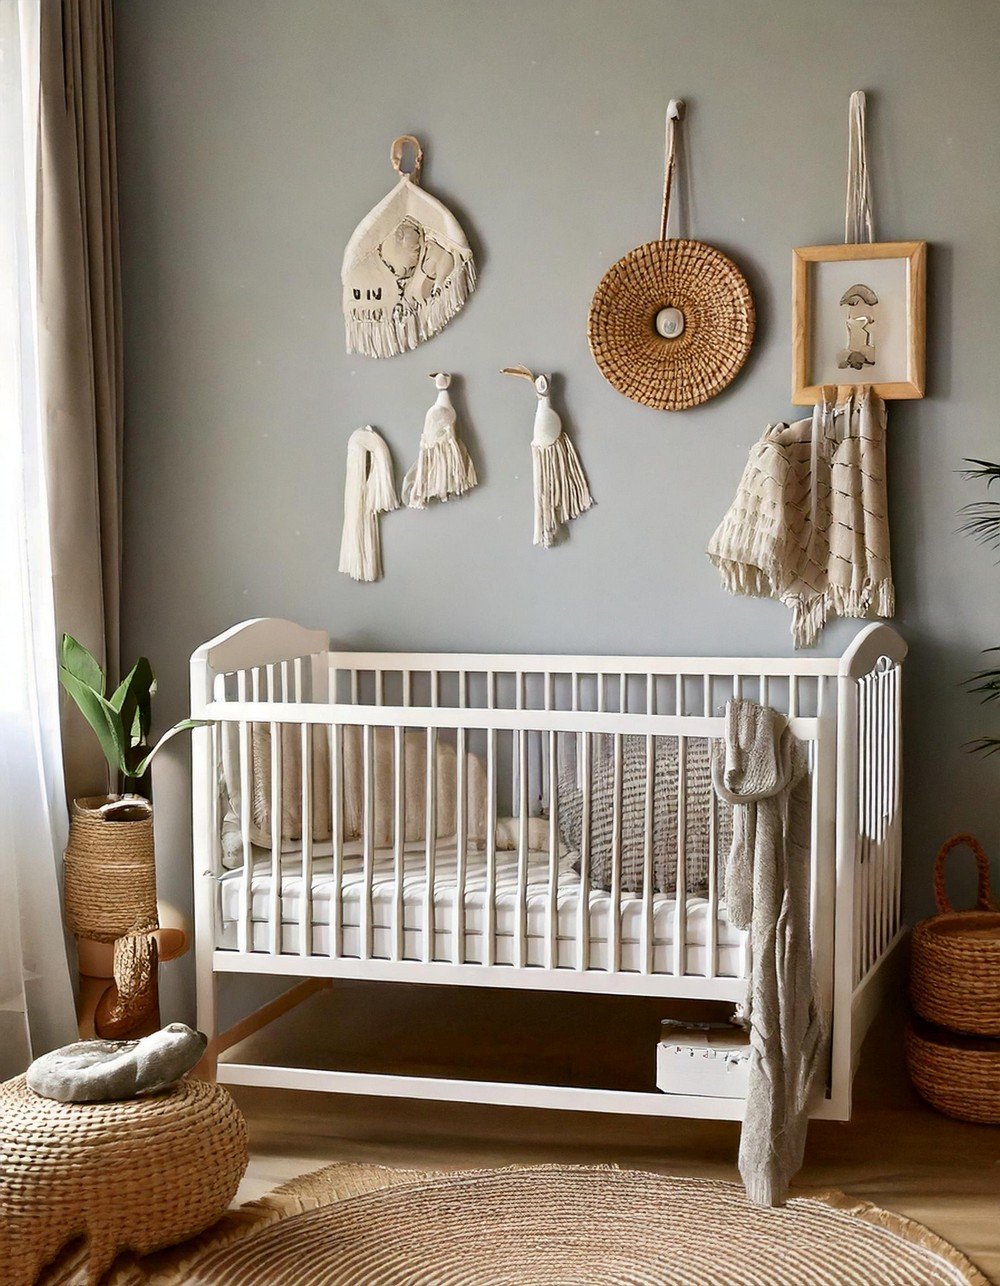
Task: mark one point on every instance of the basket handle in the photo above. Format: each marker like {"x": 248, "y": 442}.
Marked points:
{"x": 984, "y": 899}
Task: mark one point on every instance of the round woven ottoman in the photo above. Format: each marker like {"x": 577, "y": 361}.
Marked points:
{"x": 134, "y": 1175}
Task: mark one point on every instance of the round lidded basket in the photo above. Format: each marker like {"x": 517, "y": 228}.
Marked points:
{"x": 637, "y": 349}
{"x": 955, "y": 964}
{"x": 958, "y": 1075}
{"x": 110, "y": 869}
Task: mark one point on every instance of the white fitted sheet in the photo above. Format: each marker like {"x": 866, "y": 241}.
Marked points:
{"x": 730, "y": 942}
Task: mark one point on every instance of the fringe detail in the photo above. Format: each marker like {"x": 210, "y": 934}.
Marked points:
{"x": 442, "y": 470}
{"x": 387, "y": 336}
{"x": 561, "y": 490}
{"x": 368, "y": 491}
{"x": 810, "y": 616}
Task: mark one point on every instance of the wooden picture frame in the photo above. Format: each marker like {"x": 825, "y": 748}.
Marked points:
{"x": 899, "y": 267}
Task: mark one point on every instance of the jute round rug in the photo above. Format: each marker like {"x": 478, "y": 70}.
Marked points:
{"x": 351, "y": 1225}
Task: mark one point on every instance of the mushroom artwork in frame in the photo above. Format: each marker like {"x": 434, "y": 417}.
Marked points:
{"x": 858, "y": 317}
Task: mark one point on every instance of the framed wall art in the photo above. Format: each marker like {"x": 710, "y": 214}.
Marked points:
{"x": 858, "y": 317}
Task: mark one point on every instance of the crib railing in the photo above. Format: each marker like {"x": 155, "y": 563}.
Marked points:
{"x": 513, "y": 712}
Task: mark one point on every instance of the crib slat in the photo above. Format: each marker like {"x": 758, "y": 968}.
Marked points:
{"x": 651, "y": 768}
{"x": 897, "y": 702}
{"x": 615, "y": 926}
{"x": 277, "y": 807}
{"x": 521, "y": 915}
{"x": 306, "y": 900}
{"x": 461, "y": 839}
{"x": 680, "y": 891}
{"x": 367, "y": 839}
{"x": 398, "y": 839}
{"x": 583, "y": 909}
{"x": 244, "y": 925}
{"x": 430, "y": 846}
{"x": 215, "y": 830}
{"x": 337, "y": 838}
{"x": 885, "y": 753}
{"x": 646, "y": 946}
{"x": 489, "y": 921}
{"x": 552, "y": 912}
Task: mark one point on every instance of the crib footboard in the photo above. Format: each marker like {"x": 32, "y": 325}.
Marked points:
{"x": 520, "y": 822}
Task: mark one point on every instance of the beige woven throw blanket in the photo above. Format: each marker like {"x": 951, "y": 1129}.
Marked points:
{"x": 809, "y": 523}
{"x": 761, "y": 770}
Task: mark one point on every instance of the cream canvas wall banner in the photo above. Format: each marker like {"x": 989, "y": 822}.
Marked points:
{"x": 408, "y": 268}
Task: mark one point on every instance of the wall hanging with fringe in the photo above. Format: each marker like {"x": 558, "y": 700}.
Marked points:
{"x": 809, "y": 523}
{"x": 408, "y": 268}
{"x": 560, "y": 485}
{"x": 672, "y": 322}
{"x": 443, "y": 467}
{"x": 369, "y": 490}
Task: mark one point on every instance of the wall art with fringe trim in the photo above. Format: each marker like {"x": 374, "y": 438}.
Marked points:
{"x": 443, "y": 466}
{"x": 560, "y": 485}
{"x": 408, "y": 268}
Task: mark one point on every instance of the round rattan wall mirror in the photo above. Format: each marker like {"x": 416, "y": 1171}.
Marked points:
{"x": 672, "y": 322}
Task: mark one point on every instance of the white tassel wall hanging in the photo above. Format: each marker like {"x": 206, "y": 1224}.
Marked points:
{"x": 443, "y": 467}
{"x": 368, "y": 491}
{"x": 561, "y": 490}
{"x": 408, "y": 268}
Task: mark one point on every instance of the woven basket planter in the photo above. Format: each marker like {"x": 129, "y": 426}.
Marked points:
{"x": 958, "y": 1075}
{"x": 110, "y": 870}
{"x": 955, "y": 967}
{"x": 135, "y": 1175}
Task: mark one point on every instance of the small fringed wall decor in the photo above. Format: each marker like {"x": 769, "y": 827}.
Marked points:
{"x": 560, "y": 485}
{"x": 443, "y": 467}
{"x": 672, "y": 322}
{"x": 858, "y": 310}
{"x": 408, "y": 268}
{"x": 369, "y": 490}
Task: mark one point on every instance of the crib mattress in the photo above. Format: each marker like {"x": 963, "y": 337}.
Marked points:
{"x": 730, "y": 941}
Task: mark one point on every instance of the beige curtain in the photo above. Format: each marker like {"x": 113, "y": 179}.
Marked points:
{"x": 80, "y": 343}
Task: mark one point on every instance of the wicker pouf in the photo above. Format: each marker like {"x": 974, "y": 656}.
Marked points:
{"x": 135, "y": 1175}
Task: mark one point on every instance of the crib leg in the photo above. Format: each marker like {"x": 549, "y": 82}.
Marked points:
{"x": 208, "y": 1021}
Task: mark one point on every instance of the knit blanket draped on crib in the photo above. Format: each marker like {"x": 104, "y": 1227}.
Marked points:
{"x": 761, "y": 770}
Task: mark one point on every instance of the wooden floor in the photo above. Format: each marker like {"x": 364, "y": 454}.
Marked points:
{"x": 894, "y": 1152}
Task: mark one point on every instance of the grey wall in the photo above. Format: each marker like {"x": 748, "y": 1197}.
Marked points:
{"x": 254, "y": 135}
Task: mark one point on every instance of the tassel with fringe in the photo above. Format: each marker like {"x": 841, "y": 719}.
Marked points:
{"x": 443, "y": 467}
{"x": 368, "y": 491}
{"x": 560, "y": 484}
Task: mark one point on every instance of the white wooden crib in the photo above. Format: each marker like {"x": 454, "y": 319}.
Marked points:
{"x": 467, "y": 911}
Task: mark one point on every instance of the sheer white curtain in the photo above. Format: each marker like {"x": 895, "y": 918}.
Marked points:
{"x": 36, "y": 1000}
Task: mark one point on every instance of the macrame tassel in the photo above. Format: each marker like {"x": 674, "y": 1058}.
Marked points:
{"x": 443, "y": 467}
{"x": 368, "y": 491}
{"x": 859, "y": 226}
{"x": 561, "y": 490}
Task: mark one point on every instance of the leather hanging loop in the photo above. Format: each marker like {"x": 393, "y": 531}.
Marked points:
{"x": 396, "y": 156}
{"x": 675, "y": 112}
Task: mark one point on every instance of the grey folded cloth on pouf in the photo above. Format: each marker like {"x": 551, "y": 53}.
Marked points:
{"x": 102, "y": 1071}
{"x": 762, "y": 770}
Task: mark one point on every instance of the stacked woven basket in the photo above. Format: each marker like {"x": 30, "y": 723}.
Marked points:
{"x": 953, "y": 1045}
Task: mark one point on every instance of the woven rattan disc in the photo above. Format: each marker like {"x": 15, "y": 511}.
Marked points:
{"x": 718, "y": 312}
{"x": 584, "y": 1225}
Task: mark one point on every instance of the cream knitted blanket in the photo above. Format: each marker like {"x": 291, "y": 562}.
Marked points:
{"x": 761, "y": 770}
{"x": 809, "y": 523}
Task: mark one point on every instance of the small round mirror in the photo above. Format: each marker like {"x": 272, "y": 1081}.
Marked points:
{"x": 669, "y": 322}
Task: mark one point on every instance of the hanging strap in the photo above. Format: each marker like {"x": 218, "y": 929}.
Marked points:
{"x": 675, "y": 112}
{"x": 396, "y": 156}
{"x": 858, "y": 226}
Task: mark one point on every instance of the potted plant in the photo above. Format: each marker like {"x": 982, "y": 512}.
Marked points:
{"x": 110, "y": 872}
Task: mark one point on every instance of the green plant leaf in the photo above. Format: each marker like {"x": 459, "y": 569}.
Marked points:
{"x": 77, "y": 661}
{"x": 102, "y": 717}
{"x": 184, "y": 726}
{"x": 133, "y": 700}
{"x": 985, "y": 746}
